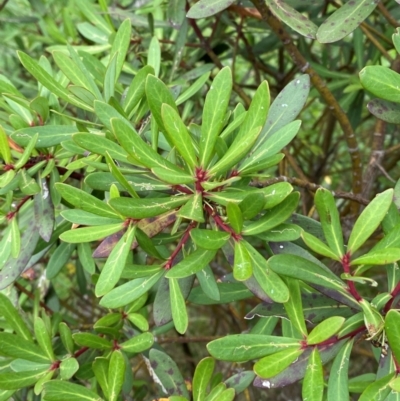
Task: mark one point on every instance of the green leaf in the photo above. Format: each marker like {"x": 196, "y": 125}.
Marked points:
{"x": 89, "y": 234}
{"x": 146, "y": 207}
{"x": 138, "y": 343}
{"x": 85, "y": 201}
{"x": 193, "y": 209}
{"x": 385, "y": 110}
{"x": 154, "y": 55}
{"x": 66, "y": 337}
{"x": 56, "y": 390}
{"x": 43, "y": 338}
{"x": 58, "y": 259}
{"x": 116, "y": 375}
{"x": 271, "y": 365}
{"x": 235, "y": 217}
{"x": 244, "y": 347}
{"x": 251, "y": 205}
{"x": 214, "y": 110}
{"x": 192, "y": 263}
{"x": 240, "y": 381}
{"x": 100, "y": 370}
{"x": 379, "y": 390}
{"x": 173, "y": 177}
{"x": 330, "y": 221}
{"x": 369, "y": 220}
{"x": 85, "y": 257}
{"x": 282, "y": 232}
{"x": 100, "y": 145}
{"x": 236, "y": 152}
{"x": 110, "y": 78}
{"x": 293, "y": 18}
{"x": 68, "y": 367}
{"x": 44, "y": 211}
{"x": 325, "y": 330}
{"x": 5, "y": 151}
{"x": 48, "y": 81}
{"x": 274, "y": 216}
{"x": 178, "y": 307}
{"x": 344, "y": 20}
{"x": 115, "y": 263}
{"x": 120, "y": 45}
{"x": 202, "y": 377}
{"x": 318, "y": 246}
{"x": 242, "y": 266}
{"x": 313, "y": 383}
{"x": 392, "y": 330}
{"x": 17, "y": 347}
{"x": 378, "y": 257}
{"x": 128, "y": 292}
{"x": 91, "y": 341}
{"x": 294, "y": 307}
{"x": 395, "y": 384}
{"x": 13, "y": 318}
{"x": 269, "y": 281}
{"x": 168, "y": 373}
{"x": 303, "y": 269}
{"x": 338, "y": 386}
{"x": 17, "y": 380}
{"x": 206, "y": 8}
{"x": 178, "y": 134}
{"x": 193, "y": 89}
{"x": 229, "y": 292}
{"x": 209, "y": 239}
{"x": 207, "y": 283}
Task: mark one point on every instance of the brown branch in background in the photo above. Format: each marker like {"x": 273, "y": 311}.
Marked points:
{"x": 3, "y": 4}
{"x": 325, "y": 93}
{"x": 30, "y": 295}
{"x": 311, "y": 187}
{"x": 216, "y": 60}
{"x": 376, "y": 43}
{"x": 386, "y": 13}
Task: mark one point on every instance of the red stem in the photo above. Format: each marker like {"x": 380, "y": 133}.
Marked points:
{"x": 10, "y": 215}
{"x": 350, "y": 284}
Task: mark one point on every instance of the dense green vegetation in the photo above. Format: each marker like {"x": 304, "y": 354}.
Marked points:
{"x": 198, "y": 200}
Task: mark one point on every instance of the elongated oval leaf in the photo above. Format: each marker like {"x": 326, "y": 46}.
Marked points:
{"x": 88, "y": 234}
{"x": 116, "y": 375}
{"x": 17, "y": 380}
{"x": 325, "y": 330}
{"x": 313, "y": 383}
{"x": 202, "y": 377}
{"x": 178, "y": 307}
{"x": 48, "y": 135}
{"x": 392, "y": 329}
{"x": 206, "y": 8}
{"x": 138, "y": 343}
{"x": 382, "y": 82}
{"x": 209, "y": 239}
{"x": 56, "y": 390}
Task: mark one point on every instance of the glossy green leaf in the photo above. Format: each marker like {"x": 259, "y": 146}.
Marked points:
{"x": 209, "y": 239}
{"x": 269, "y": 281}
{"x": 178, "y": 307}
{"x": 68, "y": 367}
{"x": 121, "y": 44}
{"x": 178, "y": 134}
{"x": 271, "y": 365}
{"x": 338, "y": 382}
{"x": 116, "y": 375}
{"x": 379, "y": 390}
{"x": 194, "y": 88}
{"x": 100, "y": 370}
{"x": 85, "y": 201}
{"x": 392, "y": 330}
{"x": 206, "y": 8}
{"x": 17, "y": 347}
{"x": 202, "y": 376}
{"x": 146, "y": 207}
{"x": 252, "y": 205}
{"x": 89, "y": 234}
{"x": 344, "y": 20}
{"x": 66, "y": 337}
{"x": 115, "y": 263}
{"x": 4, "y": 146}
{"x": 208, "y": 283}
{"x": 85, "y": 257}
{"x": 318, "y": 246}
{"x": 313, "y": 383}
{"x": 193, "y": 209}
{"x": 43, "y": 337}
{"x": 242, "y": 265}
{"x": 303, "y": 269}
{"x": 369, "y": 220}
{"x": 330, "y": 221}
{"x": 214, "y": 110}
{"x": 395, "y": 384}
{"x": 192, "y": 263}
{"x": 17, "y": 380}
{"x": 91, "y": 341}
{"x": 325, "y": 330}
{"x": 128, "y": 292}
{"x": 13, "y": 318}
{"x": 173, "y": 177}
{"x": 378, "y": 257}
{"x": 294, "y": 307}
{"x": 235, "y": 217}
{"x": 274, "y": 216}
{"x": 154, "y": 55}
{"x": 109, "y": 79}
{"x": 139, "y": 321}
{"x": 168, "y": 373}
{"x": 281, "y": 233}
{"x": 56, "y": 390}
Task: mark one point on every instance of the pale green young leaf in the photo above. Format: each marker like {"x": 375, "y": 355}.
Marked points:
{"x": 369, "y": 220}
{"x": 116, "y": 375}
{"x": 235, "y": 217}
{"x": 214, "y": 110}
{"x": 318, "y": 246}
{"x": 178, "y": 134}
{"x": 202, "y": 376}
{"x": 110, "y": 78}
{"x": 178, "y": 306}
{"x": 242, "y": 264}
{"x": 68, "y": 367}
{"x": 115, "y": 263}
{"x": 378, "y": 257}
{"x": 89, "y": 234}
{"x": 330, "y": 221}
{"x": 154, "y": 55}
{"x": 43, "y": 338}
{"x": 325, "y": 330}
{"x": 313, "y": 382}
{"x": 392, "y": 329}
{"x": 29, "y": 146}
{"x": 120, "y": 46}
{"x": 138, "y": 344}
{"x": 193, "y": 209}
